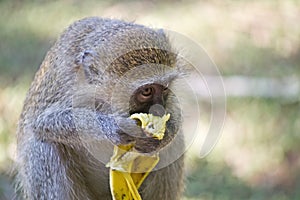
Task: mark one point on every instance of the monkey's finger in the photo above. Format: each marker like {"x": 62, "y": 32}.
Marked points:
{"x": 130, "y": 127}
{"x": 147, "y": 145}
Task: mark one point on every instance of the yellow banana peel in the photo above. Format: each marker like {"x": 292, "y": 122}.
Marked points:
{"x": 128, "y": 168}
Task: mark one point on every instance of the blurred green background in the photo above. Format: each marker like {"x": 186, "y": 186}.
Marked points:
{"x": 258, "y": 154}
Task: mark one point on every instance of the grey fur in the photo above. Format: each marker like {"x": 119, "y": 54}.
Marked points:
{"x": 74, "y": 99}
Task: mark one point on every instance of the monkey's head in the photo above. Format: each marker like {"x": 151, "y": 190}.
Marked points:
{"x": 134, "y": 69}
{"x": 148, "y": 87}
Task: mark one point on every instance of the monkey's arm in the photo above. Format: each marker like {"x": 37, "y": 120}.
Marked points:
{"x": 70, "y": 125}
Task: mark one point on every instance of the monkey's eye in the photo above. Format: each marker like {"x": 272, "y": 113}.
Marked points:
{"x": 145, "y": 94}
{"x": 147, "y": 91}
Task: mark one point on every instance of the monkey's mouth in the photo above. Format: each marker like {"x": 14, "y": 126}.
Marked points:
{"x": 154, "y": 130}
{"x": 155, "y": 109}
{"x": 153, "y": 126}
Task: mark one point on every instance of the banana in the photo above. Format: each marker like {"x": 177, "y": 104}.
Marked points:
{"x": 128, "y": 168}
{"x": 154, "y": 126}
{"x": 119, "y": 187}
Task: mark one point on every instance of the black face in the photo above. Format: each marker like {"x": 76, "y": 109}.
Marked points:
{"x": 147, "y": 96}
{"x": 151, "y": 99}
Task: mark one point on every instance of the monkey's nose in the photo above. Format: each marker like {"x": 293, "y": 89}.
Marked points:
{"x": 157, "y": 110}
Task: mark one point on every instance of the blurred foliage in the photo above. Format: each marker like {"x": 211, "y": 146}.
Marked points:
{"x": 257, "y": 156}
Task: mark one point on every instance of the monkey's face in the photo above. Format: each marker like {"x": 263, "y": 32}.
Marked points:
{"x": 154, "y": 99}
{"x": 140, "y": 81}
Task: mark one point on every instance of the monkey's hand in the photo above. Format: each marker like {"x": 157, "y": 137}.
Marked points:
{"x": 119, "y": 130}
{"x": 72, "y": 125}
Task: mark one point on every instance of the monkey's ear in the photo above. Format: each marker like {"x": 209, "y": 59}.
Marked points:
{"x": 162, "y": 32}
{"x": 86, "y": 61}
